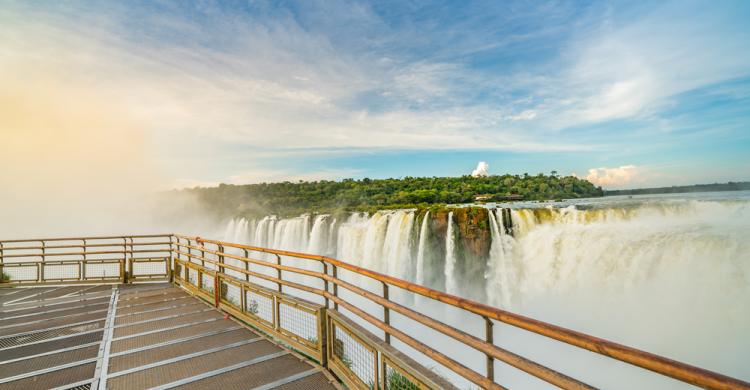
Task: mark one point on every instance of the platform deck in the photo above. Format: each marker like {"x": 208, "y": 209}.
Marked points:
{"x": 137, "y": 336}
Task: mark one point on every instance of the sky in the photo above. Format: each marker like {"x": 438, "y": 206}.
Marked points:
{"x": 171, "y": 94}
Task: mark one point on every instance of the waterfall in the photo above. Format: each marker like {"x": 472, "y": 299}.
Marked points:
{"x": 658, "y": 262}
{"x": 260, "y": 238}
{"x": 318, "y": 243}
{"x": 451, "y": 284}
{"x": 382, "y": 242}
{"x": 501, "y": 273}
{"x": 332, "y": 238}
{"x": 397, "y": 245}
{"x": 292, "y": 234}
{"x": 423, "y": 231}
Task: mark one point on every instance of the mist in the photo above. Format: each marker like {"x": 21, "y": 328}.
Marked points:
{"x": 74, "y": 163}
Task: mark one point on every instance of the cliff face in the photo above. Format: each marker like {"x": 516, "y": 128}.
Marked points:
{"x": 473, "y": 241}
{"x": 472, "y": 226}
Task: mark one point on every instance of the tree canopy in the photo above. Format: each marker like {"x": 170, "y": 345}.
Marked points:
{"x": 288, "y": 198}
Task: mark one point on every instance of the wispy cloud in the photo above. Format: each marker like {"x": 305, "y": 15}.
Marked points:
{"x": 354, "y": 76}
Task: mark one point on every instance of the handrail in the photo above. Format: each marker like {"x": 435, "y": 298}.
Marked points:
{"x": 89, "y": 238}
{"x": 659, "y": 364}
{"x": 179, "y": 250}
{"x": 81, "y": 259}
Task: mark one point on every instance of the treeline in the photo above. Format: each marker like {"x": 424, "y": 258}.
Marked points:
{"x": 287, "y": 198}
{"x": 730, "y": 186}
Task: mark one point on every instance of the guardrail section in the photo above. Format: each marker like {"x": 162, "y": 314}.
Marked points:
{"x": 255, "y": 282}
{"x": 86, "y": 259}
{"x": 363, "y": 326}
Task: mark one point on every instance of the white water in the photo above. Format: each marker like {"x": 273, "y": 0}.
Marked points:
{"x": 671, "y": 276}
{"x": 422, "y": 248}
{"x": 501, "y": 271}
{"x": 451, "y": 284}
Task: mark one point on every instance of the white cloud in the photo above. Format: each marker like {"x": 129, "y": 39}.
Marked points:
{"x": 524, "y": 115}
{"x": 613, "y": 177}
{"x": 274, "y": 84}
{"x": 481, "y": 170}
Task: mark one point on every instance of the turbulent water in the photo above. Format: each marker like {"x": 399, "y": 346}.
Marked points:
{"x": 668, "y": 274}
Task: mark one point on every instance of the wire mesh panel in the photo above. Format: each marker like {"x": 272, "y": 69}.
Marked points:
{"x": 231, "y": 293}
{"x": 65, "y": 271}
{"x": 394, "y": 378}
{"x": 21, "y": 273}
{"x": 260, "y": 306}
{"x": 143, "y": 268}
{"x": 294, "y": 320}
{"x": 207, "y": 283}
{"x": 179, "y": 271}
{"x": 355, "y": 358}
{"x": 102, "y": 270}
{"x": 192, "y": 276}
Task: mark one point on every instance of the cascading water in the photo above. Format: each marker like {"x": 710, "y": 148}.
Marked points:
{"x": 674, "y": 269}
{"x": 422, "y": 248}
{"x": 451, "y": 284}
{"x": 501, "y": 271}
{"x": 318, "y": 242}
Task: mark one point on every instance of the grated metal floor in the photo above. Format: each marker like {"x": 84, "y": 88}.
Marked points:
{"x": 133, "y": 337}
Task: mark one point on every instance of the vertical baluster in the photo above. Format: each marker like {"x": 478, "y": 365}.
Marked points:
{"x": 2, "y": 259}
{"x": 278, "y": 272}
{"x": 325, "y": 281}
{"x": 335, "y": 286}
{"x": 489, "y": 337}
{"x": 123, "y": 273}
{"x": 386, "y": 312}
{"x": 82, "y": 269}
{"x": 247, "y": 265}
{"x": 41, "y": 265}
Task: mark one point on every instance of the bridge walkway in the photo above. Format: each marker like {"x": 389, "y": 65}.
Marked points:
{"x": 138, "y": 336}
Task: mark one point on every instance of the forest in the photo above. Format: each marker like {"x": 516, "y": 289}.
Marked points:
{"x": 715, "y": 187}
{"x": 294, "y": 198}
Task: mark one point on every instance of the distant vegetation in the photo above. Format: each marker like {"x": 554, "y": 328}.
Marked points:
{"x": 731, "y": 186}
{"x": 286, "y": 199}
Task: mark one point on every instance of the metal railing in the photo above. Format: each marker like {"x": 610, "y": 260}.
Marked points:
{"x": 305, "y": 301}
{"x": 86, "y": 259}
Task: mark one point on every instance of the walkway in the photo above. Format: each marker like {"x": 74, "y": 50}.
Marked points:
{"x": 137, "y": 336}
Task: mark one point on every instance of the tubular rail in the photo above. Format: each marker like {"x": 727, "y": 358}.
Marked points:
{"x": 304, "y": 303}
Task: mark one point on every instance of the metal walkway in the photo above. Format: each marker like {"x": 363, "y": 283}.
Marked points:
{"x": 135, "y": 337}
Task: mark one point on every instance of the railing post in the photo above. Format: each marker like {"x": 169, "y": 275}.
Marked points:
{"x": 2, "y": 259}
{"x": 217, "y": 287}
{"x": 41, "y": 265}
{"x": 335, "y": 287}
{"x": 386, "y": 312}
{"x": 278, "y": 272}
{"x": 129, "y": 269}
{"x": 489, "y": 337}
{"x": 325, "y": 281}
{"x": 82, "y": 270}
{"x": 247, "y": 265}
{"x": 323, "y": 335}
{"x": 203, "y": 252}
{"x": 170, "y": 264}
{"x": 123, "y": 269}
{"x": 221, "y": 258}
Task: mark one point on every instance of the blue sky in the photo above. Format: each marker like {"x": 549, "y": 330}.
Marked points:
{"x": 627, "y": 94}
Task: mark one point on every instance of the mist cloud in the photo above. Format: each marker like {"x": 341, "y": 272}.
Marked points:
{"x": 481, "y": 170}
